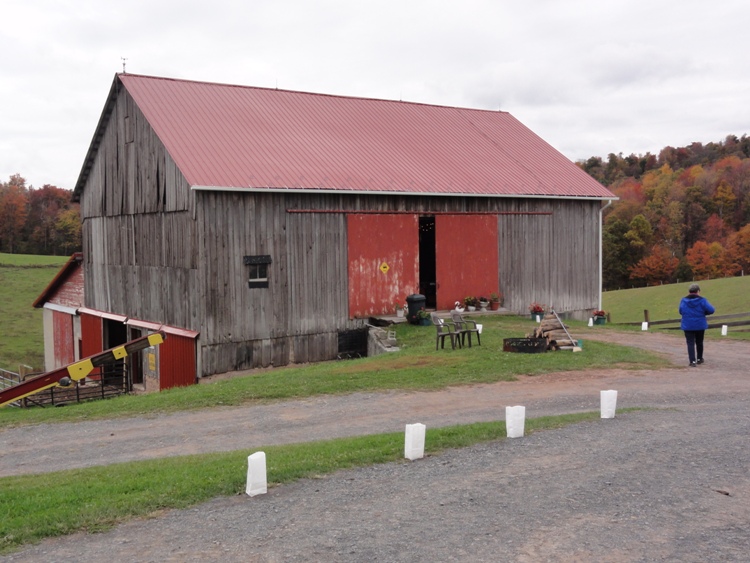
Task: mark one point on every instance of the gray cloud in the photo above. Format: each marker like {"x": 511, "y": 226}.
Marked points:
{"x": 590, "y": 77}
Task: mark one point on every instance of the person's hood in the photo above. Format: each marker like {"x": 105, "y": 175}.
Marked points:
{"x": 693, "y": 300}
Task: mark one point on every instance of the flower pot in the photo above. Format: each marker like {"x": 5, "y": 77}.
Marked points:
{"x": 483, "y": 306}
{"x": 600, "y": 320}
{"x": 425, "y": 322}
{"x": 400, "y": 313}
{"x": 494, "y": 305}
{"x": 471, "y": 308}
{"x": 535, "y": 315}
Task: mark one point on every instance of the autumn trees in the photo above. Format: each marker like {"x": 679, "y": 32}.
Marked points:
{"x": 683, "y": 215}
{"x": 37, "y": 221}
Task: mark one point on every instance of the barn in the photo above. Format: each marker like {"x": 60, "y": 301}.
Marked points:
{"x": 265, "y": 226}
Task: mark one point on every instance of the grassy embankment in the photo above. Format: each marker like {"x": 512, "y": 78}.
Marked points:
{"x": 727, "y": 295}
{"x": 22, "y": 279}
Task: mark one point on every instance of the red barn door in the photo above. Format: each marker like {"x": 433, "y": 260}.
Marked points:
{"x": 64, "y": 340}
{"x": 383, "y": 262}
{"x": 466, "y": 249}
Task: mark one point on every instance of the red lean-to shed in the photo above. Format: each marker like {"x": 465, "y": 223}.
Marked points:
{"x": 271, "y": 224}
{"x": 60, "y": 301}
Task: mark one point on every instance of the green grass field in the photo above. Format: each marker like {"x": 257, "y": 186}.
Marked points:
{"x": 727, "y": 295}
{"x": 22, "y": 280}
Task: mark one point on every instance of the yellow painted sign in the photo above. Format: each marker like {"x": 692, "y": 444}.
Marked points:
{"x": 384, "y": 268}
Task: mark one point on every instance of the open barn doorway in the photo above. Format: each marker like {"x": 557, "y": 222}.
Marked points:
{"x": 427, "y": 269}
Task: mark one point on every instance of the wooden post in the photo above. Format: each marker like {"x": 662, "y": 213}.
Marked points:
{"x": 645, "y": 316}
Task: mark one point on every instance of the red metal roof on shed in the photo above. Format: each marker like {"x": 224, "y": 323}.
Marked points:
{"x": 244, "y": 137}
{"x": 66, "y": 288}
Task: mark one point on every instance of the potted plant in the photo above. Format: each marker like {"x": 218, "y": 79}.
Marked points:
{"x": 471, "y": 302}
{"x": 483, "y": 304}
{"x": 495, "y": 301}
{"x": 536, "y": 310}
{"x": 423, "y": 317}
{"x": 399, "y": 310}
{"x": 600, "y": 317}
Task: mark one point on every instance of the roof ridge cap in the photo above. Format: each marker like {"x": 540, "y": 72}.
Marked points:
{"x": 306, "y": 93}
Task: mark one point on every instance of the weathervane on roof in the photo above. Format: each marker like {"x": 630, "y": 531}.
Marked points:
{"x": 123, "y": 64}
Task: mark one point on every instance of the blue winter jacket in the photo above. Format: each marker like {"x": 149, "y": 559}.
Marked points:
{"x": 694, "y": 309}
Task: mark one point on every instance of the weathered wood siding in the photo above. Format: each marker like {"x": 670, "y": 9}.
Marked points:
{"x": 298, "y": 317}
{"x": 551, "y": 259}
{"x": 139, "y": 235}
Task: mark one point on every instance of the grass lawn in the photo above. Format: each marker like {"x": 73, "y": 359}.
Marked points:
{"x": 34, "y": 507}
{"x": 727, "y": 295}
{"x": 416, "y": 367}
{"x": 22, "y": 279}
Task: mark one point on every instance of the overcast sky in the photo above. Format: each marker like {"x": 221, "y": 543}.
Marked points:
{"x": 589, "y": 76}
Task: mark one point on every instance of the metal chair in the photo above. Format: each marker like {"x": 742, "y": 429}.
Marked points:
{"x": 464, "y": 327}
{"x": 444, "y": 329}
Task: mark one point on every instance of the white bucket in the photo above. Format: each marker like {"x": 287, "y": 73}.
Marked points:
{"x": 644, "y": 325}
{"x": 724, "y": 329}
{"x": 479, "y": 328}
{"x": 515, "y": 420}
{"x": 256, "y": 474}
{"x": 414, "y": 441}
{"x": 609, "y": 403}
{"x": 591, "y": 321}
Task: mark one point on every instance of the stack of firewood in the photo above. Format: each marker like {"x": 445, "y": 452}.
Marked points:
{"x": 553, "y": 330}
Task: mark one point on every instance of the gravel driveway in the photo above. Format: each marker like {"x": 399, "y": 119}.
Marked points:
{"x": 671, "y": 484}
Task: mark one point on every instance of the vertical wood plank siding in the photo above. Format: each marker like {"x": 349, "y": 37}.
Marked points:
{"x": 139, "y": 234}
{"x": 298, "y": 317}
{"x": 552, "y": 259}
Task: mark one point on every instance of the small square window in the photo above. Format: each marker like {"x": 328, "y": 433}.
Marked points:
{"x": 258, "y": 270}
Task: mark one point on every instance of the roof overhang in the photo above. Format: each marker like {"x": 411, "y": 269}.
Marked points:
{"x": 396, "y": 193}
{"x": 73, "y": 262}
{"x": 73, "y": 311}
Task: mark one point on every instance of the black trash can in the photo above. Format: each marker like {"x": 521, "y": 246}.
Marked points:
{"x": 415, "y": 303}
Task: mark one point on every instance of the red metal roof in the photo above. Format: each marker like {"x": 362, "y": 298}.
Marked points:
{"x": 244, "y": 137}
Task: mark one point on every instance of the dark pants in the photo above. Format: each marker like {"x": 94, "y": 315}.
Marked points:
{"x": 694, "y": 340}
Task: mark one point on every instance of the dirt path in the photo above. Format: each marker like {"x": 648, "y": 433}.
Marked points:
{"x": 46, "y": 447}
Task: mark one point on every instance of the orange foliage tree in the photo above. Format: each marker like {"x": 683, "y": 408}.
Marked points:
{"x": 708, "y": 261}
{"x": 658, "y": 267}
{"x": 13, "y": 211}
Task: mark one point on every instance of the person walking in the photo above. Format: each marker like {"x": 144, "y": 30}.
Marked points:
{"x": 693, "y": 310}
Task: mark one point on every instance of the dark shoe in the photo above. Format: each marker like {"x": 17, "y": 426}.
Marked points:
{"x": 700, "y": 360}
{"x": 693, "y": 364}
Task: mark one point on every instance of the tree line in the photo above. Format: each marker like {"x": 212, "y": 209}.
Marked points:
{"x": 682, "y": 215}
{"x": 38, "y": 220}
